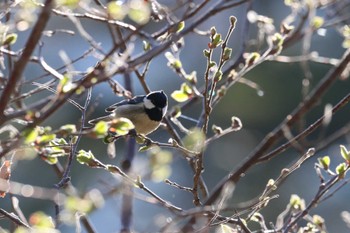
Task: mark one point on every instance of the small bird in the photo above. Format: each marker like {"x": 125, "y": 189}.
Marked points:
{"x": 145, "y": 111}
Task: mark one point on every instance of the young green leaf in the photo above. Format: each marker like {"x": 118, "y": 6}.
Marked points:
{"x": 216, "y": 40}
{"x": 68, "y": 129}
{"x": 121, "y": 126}
{"x": 30, "y": 134}
{"x": 87, "y": 158}
{"x": 252, "y": 58}
{"x": 183, "y": 94}
{"x": 324, "y": 162}
{"x": 77, "y": 204}
{"x": 341, "y": 170}
{"x": 146, "y": 45}
{"x": 206, "y": 53}
{"x": 345, "y": 153}
{"x": 101, "y": 129}
{"x": 117, "y": 10}
{"x": 218, "y": 76}
{"x": 317, "y": 22}
{"x": 40, "y": 220}
{"x": 227, "y": 54}
{"x": 10, "y": 39}
{"x": 180, "y": 26}
{"x": 139, "y": 11}
{"x": 296, "y": 202}
{"x": 179, "y": 96}
{"x": 51, "y": 159}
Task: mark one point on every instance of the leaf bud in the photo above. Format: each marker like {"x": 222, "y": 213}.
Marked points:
{"x": 233, "y": 21}
{"x": 218, "y": 76}
{"x": 227, "y": 54}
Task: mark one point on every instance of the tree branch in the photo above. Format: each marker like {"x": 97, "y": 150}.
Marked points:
{"x": 20, "y": 65}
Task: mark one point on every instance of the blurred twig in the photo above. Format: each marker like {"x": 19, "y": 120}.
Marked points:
{"x": 20, "y": 65}
{"x": 274, "y": 136}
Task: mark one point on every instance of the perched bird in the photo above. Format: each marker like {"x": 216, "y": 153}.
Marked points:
{"x": 145, "y": 112}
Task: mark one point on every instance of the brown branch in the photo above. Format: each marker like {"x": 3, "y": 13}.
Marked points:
{"x": 14, "y": 218}
{"x": 274, "y": 135}
{"x": 305, "y": 132}
{"x": 20, "y": 65}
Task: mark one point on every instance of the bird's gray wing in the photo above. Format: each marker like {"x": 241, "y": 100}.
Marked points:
{"x": 136, "y": 100}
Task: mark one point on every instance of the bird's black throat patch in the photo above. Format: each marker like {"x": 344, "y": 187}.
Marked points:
{"x": 155, "y": 114}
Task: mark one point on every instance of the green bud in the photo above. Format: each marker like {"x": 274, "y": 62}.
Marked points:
{"x": 341, "y": 170}
{"x": 324, "y": 162}
{"x": 176, "y": 64}
{"x": 212, "y": 31}
{"x": 218, "y": 76}
{"x": 176, "y": 112}
{"x": 10, "y": 39}
{"x": 45, "y": 138}
{"x": 271, "y": 184}
{"x": 286, "y": 29}
{"x": 277, "y": 39}
{"x": 180, "y": 26}
{"x": 216, "y": 40}
{"x": 296, "y": 202}
{"x": 85, "y": 157}
{"x": 345, "y": 153}
{"x": 192, "y": 77}
{"x": 222, "y": 91}
{"x": 206, "y": 53}
{"x": 74, "y": 139}
{"x": 212, "y": 64}
{"x": 100, "y": 129}
{"x": 317, "y": 22}
{"x": 146, "y": 45}
{"x": 318, "y": 220}
{"x": 30, "y": 134}
{"x": 257, "y": 217}
{"x": 252, "y": 58}
{"x": 227, "y": 54}
{"x": 68, "y": 129}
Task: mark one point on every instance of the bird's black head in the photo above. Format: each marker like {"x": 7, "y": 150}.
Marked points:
{"x": 158, "y": 98}
{"x": 156, "y": 104}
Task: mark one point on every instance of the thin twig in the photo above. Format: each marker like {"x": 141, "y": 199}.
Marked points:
{"x": 272, "y": 137}
{"x": 20, "y": 65}
{"x": 14, "y": 218}
{"x": 305, "y": 132}
{"x": 65, "y": 177}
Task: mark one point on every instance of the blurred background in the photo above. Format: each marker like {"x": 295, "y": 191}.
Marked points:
{"x": 260, "y": 111}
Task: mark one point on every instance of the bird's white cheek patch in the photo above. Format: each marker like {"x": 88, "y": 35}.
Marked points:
{"x": 164, "y": 110}
{"x": 148, "y": 103}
